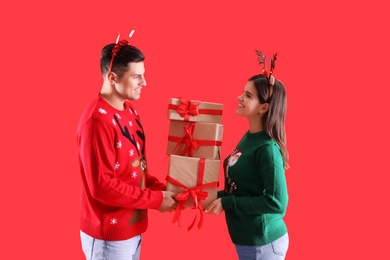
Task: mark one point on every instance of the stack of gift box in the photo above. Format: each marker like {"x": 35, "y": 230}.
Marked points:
{"x": 194, "y": 148}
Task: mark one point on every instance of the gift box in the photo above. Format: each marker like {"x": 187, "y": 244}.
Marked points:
{"x": 194, "y": 111}
{"x": 193, "y": 179}
{"x": 201, "y": 140}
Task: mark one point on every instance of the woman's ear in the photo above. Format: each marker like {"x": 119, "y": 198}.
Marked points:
{"x": 264, "y": 108}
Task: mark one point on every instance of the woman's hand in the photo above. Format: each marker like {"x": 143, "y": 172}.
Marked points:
{"x": 215, "y": 207}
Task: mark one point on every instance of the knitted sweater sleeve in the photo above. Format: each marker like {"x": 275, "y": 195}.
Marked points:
{"x": 153, "y": 183}
{"x": 221, "y": 193}
{"x": 273, "y": 197}
{"x": 97, "y": 155}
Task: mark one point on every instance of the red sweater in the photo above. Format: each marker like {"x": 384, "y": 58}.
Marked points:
{"x": 116, "y": 188}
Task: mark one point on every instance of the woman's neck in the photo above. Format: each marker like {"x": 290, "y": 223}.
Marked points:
{"x": 255, "y": 125}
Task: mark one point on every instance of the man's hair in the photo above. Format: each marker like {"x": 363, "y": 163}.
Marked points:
{"x": 126, "y": 54}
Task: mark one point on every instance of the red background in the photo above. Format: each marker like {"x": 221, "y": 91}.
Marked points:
{"x": 332, "y": 58}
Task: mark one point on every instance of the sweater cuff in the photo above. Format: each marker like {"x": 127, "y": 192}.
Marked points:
{"x": 157, "y": 198}
{"x": 220, "y": 194}
{"x": 228, "y": 202}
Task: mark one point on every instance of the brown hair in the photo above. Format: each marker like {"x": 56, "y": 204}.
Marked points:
{"x": 127, "y": 53}
{"x": 274, "y": 119}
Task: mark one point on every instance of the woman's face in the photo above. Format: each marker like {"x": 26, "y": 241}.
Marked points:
{"x": 249, "y": 105}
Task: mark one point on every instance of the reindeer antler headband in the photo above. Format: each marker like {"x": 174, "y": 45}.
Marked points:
{"x": 118, "y": 45}
{"x": 262, "y": 60}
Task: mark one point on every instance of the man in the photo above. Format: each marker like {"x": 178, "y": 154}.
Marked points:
{"x": 116, "y": 187}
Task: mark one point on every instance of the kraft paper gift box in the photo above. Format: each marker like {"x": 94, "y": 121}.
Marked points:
{"x": 194, "y": 110}
{"x": 201, "y": 140}
{"x": 192, "y": 173}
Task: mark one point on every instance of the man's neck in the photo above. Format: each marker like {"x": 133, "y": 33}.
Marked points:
{"x": 112, "y": 99}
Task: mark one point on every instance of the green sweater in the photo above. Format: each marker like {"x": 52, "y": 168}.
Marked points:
{"x": 255, "y": 195}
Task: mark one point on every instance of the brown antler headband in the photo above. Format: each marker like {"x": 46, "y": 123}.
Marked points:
{"x": 262, "y": 61}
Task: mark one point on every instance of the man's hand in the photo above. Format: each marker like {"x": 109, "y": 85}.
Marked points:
{"x": 168, "y": 204}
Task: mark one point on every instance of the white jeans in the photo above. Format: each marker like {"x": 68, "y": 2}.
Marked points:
{"x": 96, "y": 249}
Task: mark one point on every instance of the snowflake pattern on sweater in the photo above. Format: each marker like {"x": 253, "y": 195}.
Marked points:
{"x": 116, "y": 187}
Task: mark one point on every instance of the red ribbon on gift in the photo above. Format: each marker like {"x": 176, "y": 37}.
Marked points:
{"x": 196, "y": 194}
{"x": 188, "y": 108}
{"x": 191, "y": 144}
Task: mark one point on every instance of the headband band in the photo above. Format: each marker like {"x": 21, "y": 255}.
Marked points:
{"x": 271, "y": 79}
{"x": 117, "y": 47}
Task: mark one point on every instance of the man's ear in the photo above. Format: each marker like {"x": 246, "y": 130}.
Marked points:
{"x": 112, "y": 77}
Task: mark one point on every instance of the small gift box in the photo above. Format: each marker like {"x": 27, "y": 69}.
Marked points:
{"x": 195, "y": 180}
{"x": 194, "y": 111}
{"x": 201, "y": 140}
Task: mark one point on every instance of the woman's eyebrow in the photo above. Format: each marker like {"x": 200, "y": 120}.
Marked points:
{"x": 248, "y": 93}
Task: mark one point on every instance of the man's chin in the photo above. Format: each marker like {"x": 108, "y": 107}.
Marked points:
{"x": 135, "y": 97}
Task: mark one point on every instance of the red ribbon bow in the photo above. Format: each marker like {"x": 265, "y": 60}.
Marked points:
{"x": 190, "y": 143}
{"x": 195, "y": 193}
{"x": 187, "y": 109}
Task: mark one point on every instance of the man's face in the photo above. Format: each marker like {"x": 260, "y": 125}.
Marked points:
{"x": 130, "y": 85}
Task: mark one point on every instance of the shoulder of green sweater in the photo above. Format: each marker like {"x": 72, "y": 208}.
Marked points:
{"x": 268, "y": 149}
{"x": 270, "y": 144}
{"x": 266, "y": 143}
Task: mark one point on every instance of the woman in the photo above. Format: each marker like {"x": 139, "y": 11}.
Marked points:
{"x": 255, "y": 195}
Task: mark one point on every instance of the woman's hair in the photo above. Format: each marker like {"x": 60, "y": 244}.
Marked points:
{"x": 126, "y": 54}
{"x": 274, "y": 119}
